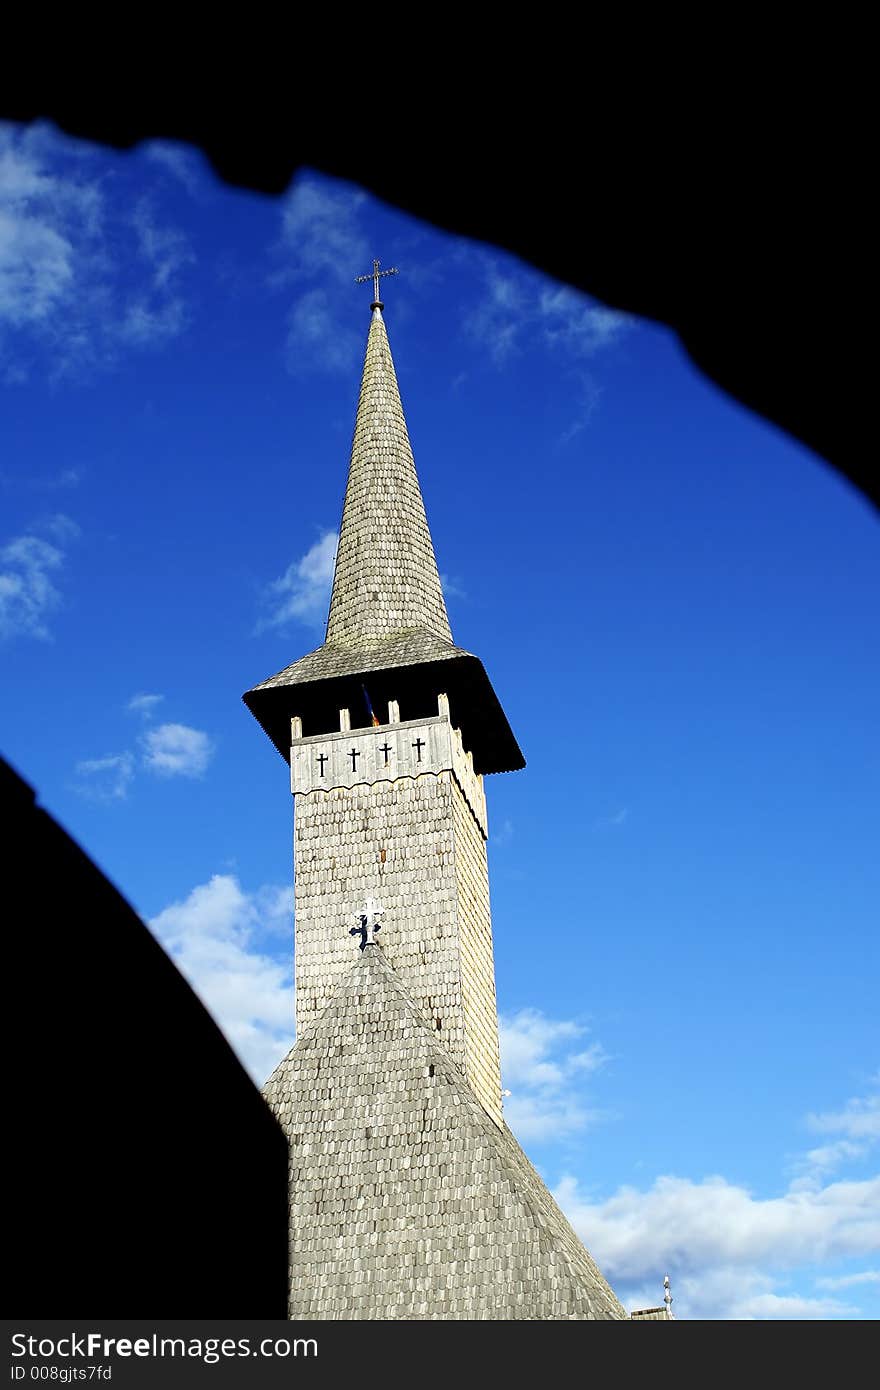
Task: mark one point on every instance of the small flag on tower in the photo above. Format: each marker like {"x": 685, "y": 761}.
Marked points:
{"x": 369, "y": 707}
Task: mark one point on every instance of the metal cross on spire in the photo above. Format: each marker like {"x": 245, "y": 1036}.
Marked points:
{"x": 368, "y": 923}
{"x": 376, "y": 277}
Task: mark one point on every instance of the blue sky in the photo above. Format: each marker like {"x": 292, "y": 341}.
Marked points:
{"x": 676, "y": 605}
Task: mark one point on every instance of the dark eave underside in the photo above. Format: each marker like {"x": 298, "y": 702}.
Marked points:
{"x": 334, "y": 680}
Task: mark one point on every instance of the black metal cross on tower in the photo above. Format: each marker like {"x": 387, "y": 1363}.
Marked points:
{"x": 386, "y": 749}
{"x": 376, "y": 277}
{"x": 418, "y": 746}
{"x": 322, "y": 759}
{"x": 354, "y": 755}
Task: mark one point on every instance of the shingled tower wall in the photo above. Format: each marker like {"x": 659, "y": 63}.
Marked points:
{"x": 412, "y": 839}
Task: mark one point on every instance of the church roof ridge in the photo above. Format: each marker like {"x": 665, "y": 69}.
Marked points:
{"x": 386, "y": 580}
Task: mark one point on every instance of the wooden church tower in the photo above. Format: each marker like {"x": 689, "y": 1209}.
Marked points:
{"x": 409, "y": 1196}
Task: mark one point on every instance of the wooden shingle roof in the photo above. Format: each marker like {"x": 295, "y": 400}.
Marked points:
{"x": 386, "y": 579}
{"x": 408, "y": 1201}
{"x": 387, "y": 618}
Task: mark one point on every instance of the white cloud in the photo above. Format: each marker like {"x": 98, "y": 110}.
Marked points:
{"x": 498, "y": 319}
{"x": 859, "y": 1119}
{"x": 858, "y": 1124}
{"x": 144, "y": 705}
{"x": 28, "y": 567}
{"x": 452, "y": 588}
{"x": 66, "y": 478}
{"x": 505, "y": 832}
{"x": 157, "y": 310}
{"x": 60, "y": 527}
{"x": 828, "y": 1157}
{"x": 181, "y": 161}
{"x": 520, "y": 306}
{"x": 303, "y": 591}
{"x": 216, "y": 937}
{"x": 168, "y": 750}
{"x": 539, "y": 1066}
{"x": 723, "y": 1245}
{"x": 62, "y": 481}
{"x": 320, "y": 232}
{"x": 319, "y": 337}
{"x": 81, "y": 277}
{"x": 585, "y": 397}
{"x": 850, "y": 1281}
{"x": 108, "y": 778}
{"x": 321, "y": 239}
{"x": 522, "y": 310}
{"x": 749, "y": 1295}
{"x": 570, "y": 320}
{"x": 176, "y": 750}
{"x": 41, "y": 216}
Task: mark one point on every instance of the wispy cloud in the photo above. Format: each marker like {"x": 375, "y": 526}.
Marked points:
{"x": 318, "y": 336}
{"x": 585, "y": 398}
{"x": 157, "y": 309}
{"x": 857, "y": 1127}
{"x": 859, "y": 1119}
{"x": 81, "y": 277}
{"x": 63, "y": 480}
{"x": 497, "y": 320}
{"x": 521, "y": 310}
{"x": 850, "y": 1281}
{"x": 321, "y": 232}
{"x": 519, "y": 307}
{"x": 60, "y": 527}
{"x": 29, "y": 565}
{"x": 541, "y": 1063}
{"x": 452, "y": 587}
{"x": 573, "y": 322}
{"x": 615, "y": 818}
{"x": 167, "y": 750}
{"x": 504, "y": 834}
{"x": 302, "y": 594}
{"x": 176, "y": 750}
{"x": 106, "y": 779}
{"x": 41, "y": 218}
{"x": 181, "y": 161}
{"x": 228, "y": 945}
{"x": 321, "y": 240}
{"x": 144, "y": 705}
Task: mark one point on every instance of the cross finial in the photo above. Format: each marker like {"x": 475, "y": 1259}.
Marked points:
{"x": 667, "y": 1296}
{"x": 376, "y": 276}
{"x": 368, "y": 923}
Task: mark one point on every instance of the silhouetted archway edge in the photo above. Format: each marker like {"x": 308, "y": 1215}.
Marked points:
{"x": 723, "y": 204}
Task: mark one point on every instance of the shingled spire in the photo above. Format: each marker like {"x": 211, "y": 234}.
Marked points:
{"x": 386, "y": 581}
{"x": 387, "y": 624}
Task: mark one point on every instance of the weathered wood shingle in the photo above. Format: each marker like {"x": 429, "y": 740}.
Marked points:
{"x": 386, "y": 579}
{"x": 407, "y": 1201}
{"x": 387, "y": 621}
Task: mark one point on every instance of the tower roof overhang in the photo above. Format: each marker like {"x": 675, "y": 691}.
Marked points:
{"x": 411, "y": 668}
